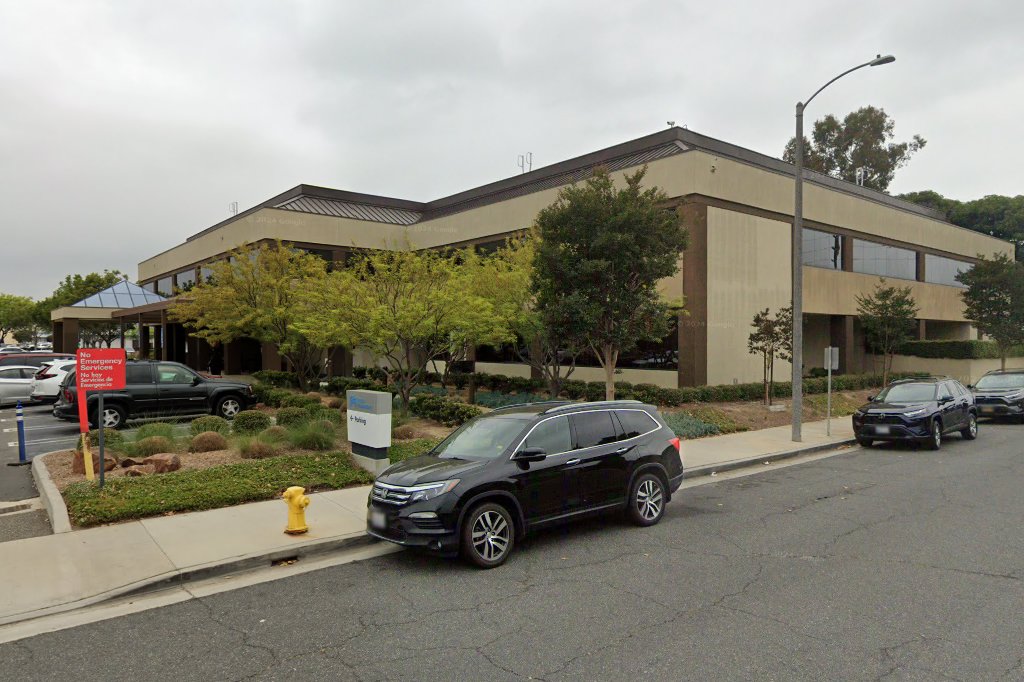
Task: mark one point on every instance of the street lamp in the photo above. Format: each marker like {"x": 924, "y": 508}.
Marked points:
{"x": 798, "y": 229}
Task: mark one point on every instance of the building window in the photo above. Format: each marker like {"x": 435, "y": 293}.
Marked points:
{"x": 206, "y": 274}
{"x": 164, "y": 286}
{"x": 942, "y": 270}
{"x": 150, "y": 286}
{"x": 186, "y": 280}
{"x": 823, "y": 250}
{"x": 888, "y": 261}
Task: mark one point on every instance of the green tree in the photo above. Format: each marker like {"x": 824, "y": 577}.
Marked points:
{"x": 772, "y": 338}
{"x": 73, "y": 289}
{"x": 995, "y": 215}
{"x": 863, "y": 139}
{"x": 994, "y": 301}
{"x": 16, "y": 312}
{"x": 257, "y": 293}
{"x": 887, "y": 316}
{"x": 602, "y": 252}
{"x": 407, "y": 307}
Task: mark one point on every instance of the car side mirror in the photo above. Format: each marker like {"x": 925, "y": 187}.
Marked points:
{"x": 945, "y": 399}
{"x": 970, "y": 386}
{"x": 871, "y": 398}
{"x": 530, "y": 455}
{"x": 196, "y": 381}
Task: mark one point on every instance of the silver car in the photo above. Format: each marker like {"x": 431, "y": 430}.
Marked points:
{"x": 16, "y": 383}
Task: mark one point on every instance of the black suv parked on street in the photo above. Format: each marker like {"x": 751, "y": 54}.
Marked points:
{"x": 522, "y": 467}
{"x": 157, "y": 389}
{"x": 1000, "y": 393}
{"x": 917, "y": 410}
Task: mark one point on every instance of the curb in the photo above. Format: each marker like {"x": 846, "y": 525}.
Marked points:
{"x": 51, "y": 498}
{"x": 709, "y": 469}
{"x": 178, "y": 578}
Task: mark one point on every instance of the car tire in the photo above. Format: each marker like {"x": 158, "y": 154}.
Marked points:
{"x": 488, "y": 535}
{"x": 864, "y": 442}
{"x": 228, "y": 407}
{"x": 971, "y": 432}
{"x": 647, "y": 497}
{"x": 934, "y": 441}
{"x": 114, "y": 417}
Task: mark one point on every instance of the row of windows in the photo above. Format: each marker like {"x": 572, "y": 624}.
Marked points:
{"x": 592, "y": 428}
{"x": 825, "y": 250}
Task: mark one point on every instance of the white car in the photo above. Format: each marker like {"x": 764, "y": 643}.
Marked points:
{"x": 46, "y": 381}
{"x": 12, "y": 349}
{"x": 16, "y": 384}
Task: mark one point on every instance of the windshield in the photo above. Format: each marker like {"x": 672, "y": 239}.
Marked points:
{"x": 1001, "y": 381}
{"x": 481, "y": 438}
{"x": 907, "y": 393}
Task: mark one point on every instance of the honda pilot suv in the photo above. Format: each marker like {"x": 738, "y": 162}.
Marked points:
{"x": 156, "y": 389}
{"x": 917, "y": 410}
{"x": 523, "y": 467}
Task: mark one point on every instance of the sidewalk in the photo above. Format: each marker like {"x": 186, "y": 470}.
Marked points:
{"x": 61, "y": 572}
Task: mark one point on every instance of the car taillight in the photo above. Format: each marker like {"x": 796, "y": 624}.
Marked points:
{"x": 69, "y": 395}
{"x": 43, "y": 374}
{"x": 674, "y": 442}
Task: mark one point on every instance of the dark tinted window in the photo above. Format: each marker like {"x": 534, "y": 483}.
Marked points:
{"x": 551, "y": 435}
{"x": 944, "y": 391}
{"x": 594, "y": 428}
{"x": 173, "y": 374}
{"x": 138, "y": 374}
{"x": 942, "y": 270}
{"x": 12, "y": 373}
{"x": 884, "y": 260}
{"x": 822, "y": 250}
{"x": 636, "y": 422}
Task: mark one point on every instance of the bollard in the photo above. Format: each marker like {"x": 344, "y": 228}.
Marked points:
{"x": 297, "y": 503}
{"x": 22, "y": 459}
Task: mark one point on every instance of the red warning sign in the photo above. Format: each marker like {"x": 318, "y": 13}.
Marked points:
{"x": 100, "y": 369}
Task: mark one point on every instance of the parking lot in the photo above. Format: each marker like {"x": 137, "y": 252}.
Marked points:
{"x": 43, "y": 434}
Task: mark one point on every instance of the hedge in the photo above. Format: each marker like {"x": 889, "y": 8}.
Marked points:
{"x": 210, "y": 423}
{"x": 444, "y": 410}
{"x": 276, "y": 378}
{"x": 957, "y": 350}
{"x": 250, "y": 421}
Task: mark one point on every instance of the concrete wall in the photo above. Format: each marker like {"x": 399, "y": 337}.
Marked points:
{"x": 964, "y": 371}
{"x": 748, "y": 270}
{"x": 835, "y": 292}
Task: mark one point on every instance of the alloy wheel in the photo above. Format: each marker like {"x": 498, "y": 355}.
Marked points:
{"x": 490, "y": 535}
{"x": 111, "y": 418}
{"x": 649, "y": 499}
{"x": 937, "y": 434}
{"x": 229, "y": 408}
{"x": 972, "y": 426}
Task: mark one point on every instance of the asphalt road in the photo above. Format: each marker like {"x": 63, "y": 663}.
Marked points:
{"x": 43, "y": 434}
{"x": 878, "y": 564}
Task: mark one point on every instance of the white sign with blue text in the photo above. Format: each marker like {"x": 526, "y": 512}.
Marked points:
{"x": 369, "y": 418}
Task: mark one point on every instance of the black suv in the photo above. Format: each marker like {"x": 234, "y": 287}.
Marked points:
{"x": 917, "y": 410}
{"x": 1001, "y": 394}
{"x": 523, "y": 467}
{"x": 157, "y": 389}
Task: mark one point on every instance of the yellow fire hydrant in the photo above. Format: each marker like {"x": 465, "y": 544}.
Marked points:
{"x": 297, "y": 502}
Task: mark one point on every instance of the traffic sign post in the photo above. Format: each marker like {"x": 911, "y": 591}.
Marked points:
{"x": 98, "y": 369}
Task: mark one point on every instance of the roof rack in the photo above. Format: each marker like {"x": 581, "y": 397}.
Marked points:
{"x": 566, "y": 406}
{"x": 539, "y": 402}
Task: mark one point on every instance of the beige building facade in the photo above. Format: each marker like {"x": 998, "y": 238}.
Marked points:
{"x": 737, "y": 206}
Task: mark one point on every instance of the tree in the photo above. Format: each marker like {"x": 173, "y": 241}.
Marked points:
{"x": 16, "y": 312}
{"x": 772, "y": 338}
{"x": 257, "y": 293}
{"x": 887, "y": 317}
{"x": 73, "y": 289}
{"x": 995, "y": 215}
{"x": 861, "y": 140}
{"x": 99, "y": 334}
{"x": 994, "y": 301}
{"x": 408, "y": 307}
{"x": 601, "y": 254}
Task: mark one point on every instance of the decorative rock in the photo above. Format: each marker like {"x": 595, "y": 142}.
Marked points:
{"x": 78, "y": 462}
{"x": 163, "y": 462}
{"x": 138, "y": 470}
{"x": 129, "y": 462}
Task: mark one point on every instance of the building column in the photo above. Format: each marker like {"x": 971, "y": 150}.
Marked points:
{"x": 144, "y": 340}
{"x": 847, "y": 254}
{"x": 841, "y": 335}
{"x": 271, "y": 356}
{"x": 922, "y": 330}
{"x": 163, "y": 335}
{"x": 69, "y": 336}
{"x": 120, "y": 327}
{"x": 341, "y": 362}
{"x": 232, "y": 358}
{"x": 58, "y": 336}
{"x": 921, "y": 273}
{"x": 693, "y": 328}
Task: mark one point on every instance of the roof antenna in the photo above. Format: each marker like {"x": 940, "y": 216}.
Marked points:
{"x": 525, "y": 162}
{"x": 860, "y": 174}
{"x": 233, "y": 208}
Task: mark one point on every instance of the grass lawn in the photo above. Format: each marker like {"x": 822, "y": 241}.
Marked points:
{"x": 127, "y": 498}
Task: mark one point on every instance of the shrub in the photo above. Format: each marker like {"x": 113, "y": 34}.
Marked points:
{"x": 151, "y": 445}
{"x": 313, "y": 395}
{"x": 720, "y": 420}
{"x": 957, "y": 350}
{"x": 432, "y": 390}
{"x": 292, "y": 416}
{"x": 162, "y": 429}
{"x": 250, "y": 421}
{"x": 444, "y": 410}
{"x": 594, "y": 391}
{"x": 646, "y": 393}
{"x": 277, "y": 378}
{"x": 818, "y": 372}
{"x": 273, "y": 434}
{"x": 687, "y": 426}
{"x": 111, "y": 439}
{"x": 493, "y": 400}
{"x": 274, "y": 396}
{"x": 574, "y": 389}
{"x": 460, "y": 380}
{"x": 296, "y": 400}
{"x": 257, "y": 449}
{"x": 208, "y": 441}
{"x": 210, "y": 423}
{"x": 313, "y": 436}
{"x": 335, "y": 403}
{"x": 324, "y": 414}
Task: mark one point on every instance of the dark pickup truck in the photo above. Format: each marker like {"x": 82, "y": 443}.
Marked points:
{"x": 157, "y": 389}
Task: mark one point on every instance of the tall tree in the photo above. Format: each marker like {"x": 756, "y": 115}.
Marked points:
{"x": 16, "y": 312}
{"x": 772, "y": 338}
{"x": 994, "y": 301}
{"x": 863, "y": 139}
{"x": 995, "y": 215}
{"x": 603, "y": 249}
{"x": 256, "y": 293}
{"x": 887, "y": 316}
{"x": 407, "y": 307}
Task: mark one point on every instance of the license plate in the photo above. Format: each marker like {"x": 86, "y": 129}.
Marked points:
{"x": 378, "y": 519}
{"x": 882, "y": 430}
{"x": 987, "y": 408}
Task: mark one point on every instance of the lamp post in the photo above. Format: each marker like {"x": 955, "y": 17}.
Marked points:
{"x": 797, "y": 259}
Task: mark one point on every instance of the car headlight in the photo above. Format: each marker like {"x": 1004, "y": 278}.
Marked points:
{"x": 915, "y": 413}
{"x": 431, "y": 490}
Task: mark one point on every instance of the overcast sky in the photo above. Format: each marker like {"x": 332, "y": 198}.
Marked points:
{"x": 127, "y": 126}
